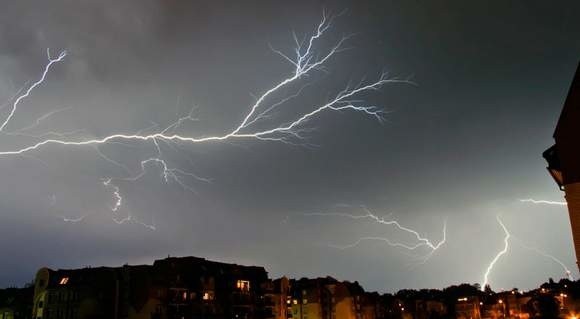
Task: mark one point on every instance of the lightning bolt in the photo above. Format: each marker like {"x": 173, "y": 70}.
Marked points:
{"x": 499, "y": 254}
{"x": 51, "y": 61}
{"x": 538, "y": 251}
{"x": 420, "y": 241}
{"x": 545, "y": 202}
{"x": 304, "y": 60}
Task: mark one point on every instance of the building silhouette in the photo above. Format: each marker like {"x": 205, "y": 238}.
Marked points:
{"x": 564, "y": 157}
{"x": 192, "y": 288}
{"x": 179, "y": 288}
{"x": 16, "y": 303}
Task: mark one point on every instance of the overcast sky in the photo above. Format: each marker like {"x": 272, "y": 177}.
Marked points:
{"x": 463, "y": 144}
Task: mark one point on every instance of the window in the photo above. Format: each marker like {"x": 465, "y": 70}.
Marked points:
{"x": 63, "y": 281}
{"x": 208, "y": 295}
{"x": 243, "y": 285}
{"x": 40, "y": 304}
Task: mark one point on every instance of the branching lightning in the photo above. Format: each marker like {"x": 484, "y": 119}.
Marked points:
{"x": 51, "y": 61}
{"x": 419, "y": 242}
{"x": 507, "y": 238}
{"x": 291, "y": 131}
{"x": 499, "y": 254}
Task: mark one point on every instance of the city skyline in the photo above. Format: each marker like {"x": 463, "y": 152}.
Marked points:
{"x": 193, "y": 287}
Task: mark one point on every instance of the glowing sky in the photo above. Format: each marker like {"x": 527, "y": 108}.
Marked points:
{"x": 462, "y": 145}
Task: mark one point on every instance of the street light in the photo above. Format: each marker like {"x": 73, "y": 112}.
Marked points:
{"x": 502, "y": 308}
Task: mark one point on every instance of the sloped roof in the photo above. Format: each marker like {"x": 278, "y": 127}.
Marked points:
{"x": 569, "y": 122}
{"x": 567, "y": 134}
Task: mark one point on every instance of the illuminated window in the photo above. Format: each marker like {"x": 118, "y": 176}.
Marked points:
{"x": 184, "y": 295}
{"x": 63, "y": 281}
{"x": 208, "y": 295}
{"x": 243, "y": 285}
{"x": 295, "y": 301}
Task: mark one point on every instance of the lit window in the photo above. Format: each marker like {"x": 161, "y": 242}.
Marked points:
{"x": 184, "y": 295}
{"x": 304, "y": 301}
{"x": 295, "y": 301}
{"x": 243, "y": 285}
{"x": 63, "y": 281}
{"x": 208, "y": 295}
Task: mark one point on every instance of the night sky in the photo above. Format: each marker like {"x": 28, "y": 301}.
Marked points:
{"x": 461, "y": 144}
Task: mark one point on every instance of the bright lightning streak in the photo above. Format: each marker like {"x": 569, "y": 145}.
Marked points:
{"x": 116, "y": 194}
{"x": 14, "y": 96}
{"x": 546, "y": 202}
{"x": 509, "y": 236}
{"x": 499, "y": 254}
{"x": 51, "y": 61}
{"x": 305, "y": 62}
{"x": 115, "y": 208}
{"x": 337, "y": 104}
{"x": 419, "y": 243}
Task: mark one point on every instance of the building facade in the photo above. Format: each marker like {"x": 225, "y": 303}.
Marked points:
{"x": 171, "y": 288}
